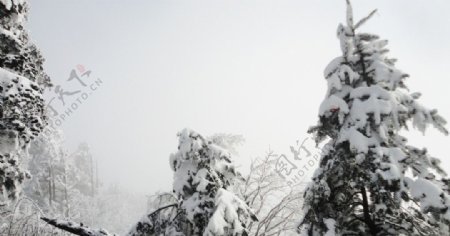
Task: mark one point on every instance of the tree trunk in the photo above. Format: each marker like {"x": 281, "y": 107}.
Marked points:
{"x": 66, "y": 194}
{"x": 367, "y": 219}
{"x": 50, "y": 189}
{"x": 91, "y": 175}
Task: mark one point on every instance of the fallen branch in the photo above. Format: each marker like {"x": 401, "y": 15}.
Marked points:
{"x": 75, "y": 228}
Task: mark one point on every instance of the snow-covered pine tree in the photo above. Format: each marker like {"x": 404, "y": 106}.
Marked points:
{"x": 22, "y": 81}
{"x": 204, "y": 181}
{"x": 370, "y": 181}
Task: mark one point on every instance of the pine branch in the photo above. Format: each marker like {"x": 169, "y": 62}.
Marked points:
{"x": 162, "y": 208}
{"x": 365, "y": 19}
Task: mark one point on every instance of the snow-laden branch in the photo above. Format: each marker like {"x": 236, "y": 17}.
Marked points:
{"x": 74, "y": 228}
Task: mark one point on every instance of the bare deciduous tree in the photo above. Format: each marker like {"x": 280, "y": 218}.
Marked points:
{"x": 275, "y": 203}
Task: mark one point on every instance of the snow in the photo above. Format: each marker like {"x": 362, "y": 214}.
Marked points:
{"x": 205, "y": 175}
{"x": 333, "y": 104}
{"x": 330, "y": 223}
{"x": 76, "y": 228}
{"x": 8, "y": 142}
{"x": 358, "y": 142}
{"x": 385, "y": 74}
{"x": 22, "y": 93}
{"x": 389, "y": 172}
{"x": 396, "y": 154}
{"x": 226, "y": 213}
{"x": 375, "y": 91}
{"x": 201, "y": 180}
{"x": 360, "y": 158}
{"x": 6, "y": 77}
{"x": 18, "y": 84}
{"x": 346, "y": 70}
{"x": 22, "y": 97}
{"x": 9, "y": 33}
{"x": 334, "y": 83}
{"x": 333, "y": 66}
{"x": 15, "y": 21}
{"x": 429, "y": 195}
{"x": 370, "y": 100}
{"x": 7, "y": 4}
{"x": 375, "y": 110}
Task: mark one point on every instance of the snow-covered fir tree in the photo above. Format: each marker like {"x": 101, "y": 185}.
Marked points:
{"x": 370, "y": 181}
{"x": 205, "y": 182}
{"x": 22, "y": 81}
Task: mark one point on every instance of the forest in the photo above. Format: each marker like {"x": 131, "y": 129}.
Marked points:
{"x": 366, "y": 178}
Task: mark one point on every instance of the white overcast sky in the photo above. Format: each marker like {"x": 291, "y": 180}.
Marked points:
{"x": 236, "y": 66}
